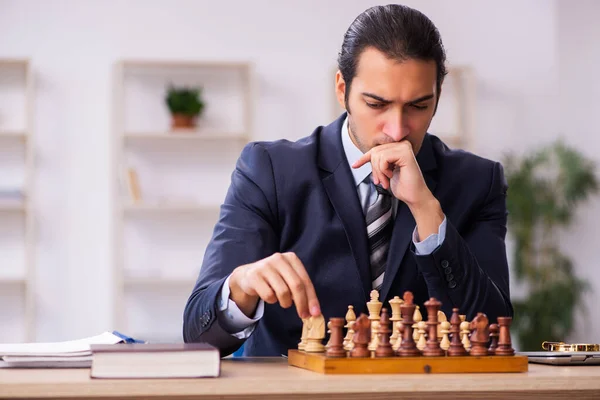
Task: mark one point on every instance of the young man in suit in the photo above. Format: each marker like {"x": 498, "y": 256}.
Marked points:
{"x": 371, "y": 201}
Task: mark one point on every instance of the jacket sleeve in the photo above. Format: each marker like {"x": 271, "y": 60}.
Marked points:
{"x": 245, "y": 232}
{"x": 471, "y": 271}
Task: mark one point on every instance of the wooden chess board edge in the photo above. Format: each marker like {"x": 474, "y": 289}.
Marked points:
{"x": 318, "y": 362}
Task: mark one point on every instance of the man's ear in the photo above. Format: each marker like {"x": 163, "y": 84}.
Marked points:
{"x": 340, "y": 89}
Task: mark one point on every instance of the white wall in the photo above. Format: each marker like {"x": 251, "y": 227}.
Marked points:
{"x": 73, "y": 45}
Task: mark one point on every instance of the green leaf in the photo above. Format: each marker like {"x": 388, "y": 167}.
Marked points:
{"x": 184, "y": 100}
{"x": 545, "y": 187}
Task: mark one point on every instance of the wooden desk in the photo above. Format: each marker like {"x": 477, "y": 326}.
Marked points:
{"x": 268, "y": 378}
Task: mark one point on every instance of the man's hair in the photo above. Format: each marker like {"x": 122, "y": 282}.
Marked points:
{"x": 400, "y": 32}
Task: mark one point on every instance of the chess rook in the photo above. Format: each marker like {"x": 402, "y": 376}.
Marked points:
{"x": 504, "y": 342}
{"x": 335, "y": 346}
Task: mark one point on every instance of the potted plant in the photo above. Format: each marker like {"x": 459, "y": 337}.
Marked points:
{"x": 185, "y": 105}
{"x": 544, "y": 189}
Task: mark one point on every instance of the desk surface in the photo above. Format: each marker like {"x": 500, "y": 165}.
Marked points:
{"x": 266, "y": 378}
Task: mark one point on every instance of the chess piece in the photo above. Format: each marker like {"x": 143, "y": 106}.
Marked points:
{"x": 479, "y": 335}
{"x": 374, "y": 307}
{"x": 504, "y": 342}
{"x": 417, "y": 317}
{"x": 432, "y": 349}
{"x": 315, "y": 335}
{"x": 493, "y": 339}
{"x": 441, "y": 318}
{"x": 328, "y": 333}
{"x": 422, "y": 334}
{"x": 408, "y": 347}
{"x": 445, "y": 330}
{"x": 336, "y": 342}
{"x": 362, "y": 337}
{"x": 384, "y": 347}
{"x": 457, "y": 348}
{"x": 302, "y": 344}
{"x": 350, "y": 318}
{"x": 375, "y": 336}
{"x": 464, "y": 333}
{"x": 395, "y": 303}
{"x": 398, "y": 342}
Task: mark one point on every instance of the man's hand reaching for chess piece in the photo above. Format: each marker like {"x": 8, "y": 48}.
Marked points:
{"x": 278, "y": 278}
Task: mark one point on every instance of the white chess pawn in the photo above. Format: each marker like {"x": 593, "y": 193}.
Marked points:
{"x": 350, "y": 318}
{"x": 417, "y": 317}
{"x": 464, "y": 332}
{"x": 422, "y": 331}
{"x": 445, "y": 329}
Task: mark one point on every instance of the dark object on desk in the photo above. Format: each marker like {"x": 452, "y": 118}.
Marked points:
{"x": 563, "y": 357}
{"x": 136, "y": 360}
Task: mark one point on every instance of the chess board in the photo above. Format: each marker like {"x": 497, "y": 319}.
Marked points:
{"x": 404, "y": 343}
{"x": 319, "y": 362}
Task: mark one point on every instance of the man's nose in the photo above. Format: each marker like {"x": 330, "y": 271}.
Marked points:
{"x": 396, "y": 127}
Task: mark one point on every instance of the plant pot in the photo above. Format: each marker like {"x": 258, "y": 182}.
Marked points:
{"x": 182, "y": 121}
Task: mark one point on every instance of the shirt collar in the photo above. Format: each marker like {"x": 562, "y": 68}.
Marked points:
{"x": 352, "y": 154}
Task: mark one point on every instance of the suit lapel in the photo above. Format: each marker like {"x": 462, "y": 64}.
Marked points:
{"x": 340, "y": 187}
{"x": 404, "y": 225}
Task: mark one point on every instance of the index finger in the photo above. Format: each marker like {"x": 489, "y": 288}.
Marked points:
{"x": 365, "y": 158}
{"x": 313, "y": 302}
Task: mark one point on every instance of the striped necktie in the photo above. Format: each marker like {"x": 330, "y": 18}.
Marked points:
{"x": 379, "y": 231}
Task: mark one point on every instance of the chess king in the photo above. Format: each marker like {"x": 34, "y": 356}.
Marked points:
{"x": 370, "y": 201}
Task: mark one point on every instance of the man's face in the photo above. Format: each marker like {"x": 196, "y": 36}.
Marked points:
{"x": 389, "y": 101}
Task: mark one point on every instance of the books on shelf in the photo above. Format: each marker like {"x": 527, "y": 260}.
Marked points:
{"x": 66, "y": 354}
{"x": 170, "y": 360}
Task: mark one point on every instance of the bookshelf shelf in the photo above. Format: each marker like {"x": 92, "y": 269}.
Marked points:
{"x": 159, "y": 282}
{"x": 13, "y": 135}
{"x": 169, "y": 208}
{"x": 13, "y": 207}
{"x": 13, "y": 281}
{"x": 17, "y": 160}
{"x": 186, "y": 136}
{"x": 169, "y": 183}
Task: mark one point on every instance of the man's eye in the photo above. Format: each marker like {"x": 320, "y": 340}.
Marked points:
{"x": 419, "y": 107}
{"x": 375, "y": 105}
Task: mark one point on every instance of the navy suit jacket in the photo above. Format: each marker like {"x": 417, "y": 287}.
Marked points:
{"x": 301, "y": 197}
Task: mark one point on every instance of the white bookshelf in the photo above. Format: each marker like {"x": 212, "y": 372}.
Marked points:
{"x": 183, "y": 175}
{"x": 17, "y": 200}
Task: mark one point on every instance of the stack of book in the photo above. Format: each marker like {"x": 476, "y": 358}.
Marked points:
{"x": 176, "y": 360}
{"x": 113, "y": 355}
{"x": 68, "y": 354}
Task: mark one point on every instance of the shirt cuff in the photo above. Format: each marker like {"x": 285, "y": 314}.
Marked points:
{"x": 433, "y": 241}
{"x": 232, "y": 319}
